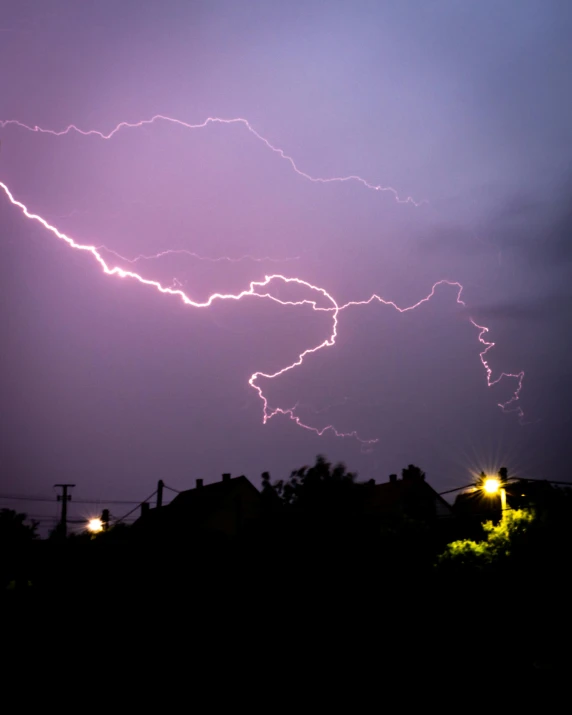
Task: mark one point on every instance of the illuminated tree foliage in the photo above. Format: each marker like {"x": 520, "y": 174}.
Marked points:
{"x": 498, "y": 543}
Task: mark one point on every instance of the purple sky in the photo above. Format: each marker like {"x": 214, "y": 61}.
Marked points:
{"x": 110, "y": 385}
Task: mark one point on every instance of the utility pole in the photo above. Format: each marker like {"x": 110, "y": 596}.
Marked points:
{"x": 503, "y": 478}
{"x": 160, "y": 486}
{"x": 64, "y": 497}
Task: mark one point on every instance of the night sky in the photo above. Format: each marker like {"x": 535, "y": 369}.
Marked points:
{"x": 464, "y": 106}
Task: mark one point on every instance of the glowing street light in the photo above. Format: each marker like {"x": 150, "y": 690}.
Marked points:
{"x": 95, "y": 526}
{"x": 493, "y": 485}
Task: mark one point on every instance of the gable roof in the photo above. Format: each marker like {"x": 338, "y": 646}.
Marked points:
{"x": 202, "y": 501}
{"x": 193, "y": 508}
{"x": 407, "y": 494}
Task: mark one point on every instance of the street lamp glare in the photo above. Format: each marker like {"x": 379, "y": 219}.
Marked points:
{"x": 491, "y": 485}
{"x": 95, "y": 526}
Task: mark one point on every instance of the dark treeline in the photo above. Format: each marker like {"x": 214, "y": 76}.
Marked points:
{"x": 328, "y": 558}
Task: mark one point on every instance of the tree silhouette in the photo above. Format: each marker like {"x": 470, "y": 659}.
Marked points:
{"x": 317, "y": 489}
{"x": 412, "y": 472}
{"x": 320, "y": 504}
{"x": 14, "y": 530}
{"x": 15, "y": 537}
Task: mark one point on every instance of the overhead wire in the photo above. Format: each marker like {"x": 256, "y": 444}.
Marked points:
{"x": 22, "y": 497}
{"x": 510, "y": 479}
{"x": 177, "y": 491}
{"x": 118, "y": 521}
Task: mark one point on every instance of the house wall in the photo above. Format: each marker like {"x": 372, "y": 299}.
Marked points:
{"x": 240, "y": 507}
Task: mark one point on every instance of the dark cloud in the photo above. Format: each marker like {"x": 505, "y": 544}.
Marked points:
{"x": 535, "y": 227}
{"x": 454, "y": 238}
{"x": 557, "y": 248}
{"x": 521, "y": 206}
{"x": 552, "y": 307}
{"x": 540, "y": 231}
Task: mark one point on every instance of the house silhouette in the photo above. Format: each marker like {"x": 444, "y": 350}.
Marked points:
{"x": 233, "y": 507}
{"x": 410, "y": 497}
{"x": 225, "y": 509}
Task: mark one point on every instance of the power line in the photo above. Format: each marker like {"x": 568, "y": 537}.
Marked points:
{"x": 457, "y": 489}
{"x": 44, "y": 519}
{"x": 21, "y": 497}
{"x": 104, "y": 501}
{"x": 14, "y": 497}
{"x": 177, "y": 491}
{"x": 118, "y": 521}
{"x": 510, "y": 479}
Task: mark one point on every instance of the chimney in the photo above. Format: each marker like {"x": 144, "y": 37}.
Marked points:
{"x": 393, "y": 478}
{"x": 199, "y": 483}
{"x": 226, "y": 477}
{"x": 145, "y": 506}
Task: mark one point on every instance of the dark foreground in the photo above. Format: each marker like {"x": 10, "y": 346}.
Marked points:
{"x": 291, "y": 611}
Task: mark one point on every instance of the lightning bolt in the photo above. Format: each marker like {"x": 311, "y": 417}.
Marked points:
{"x": 217, "y": 120}
{"x": 183, "y": 251}
{"x": 488, "y": 371}
{"x": 254, "y": 291}
{"x": 258, "y": 289}
{"x": 427, "y": 298}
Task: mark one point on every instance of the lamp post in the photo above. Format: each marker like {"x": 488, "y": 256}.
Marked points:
{"x": 493, "y": 485}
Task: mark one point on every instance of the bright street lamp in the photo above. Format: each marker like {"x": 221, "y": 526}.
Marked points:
{"x": 95, "y": 526}
{"x": 493, "y": 485}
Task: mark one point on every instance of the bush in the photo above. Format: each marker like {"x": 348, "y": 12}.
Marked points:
{"x": 496, "y": 546}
